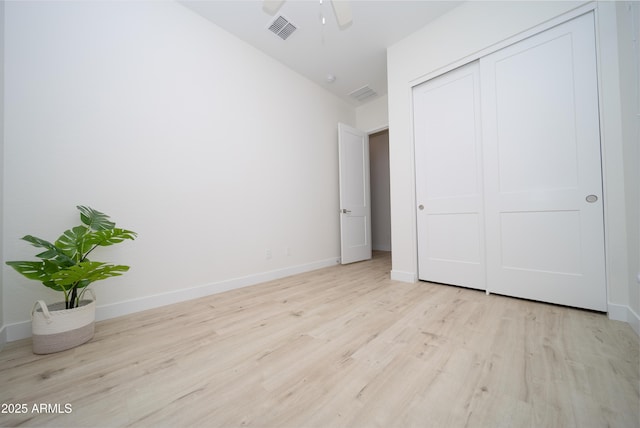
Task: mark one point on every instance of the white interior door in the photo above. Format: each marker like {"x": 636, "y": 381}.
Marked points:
{"x": 543, "y": 185}
{"x": 450, "y": 221}
{"x": 355, "y": 205}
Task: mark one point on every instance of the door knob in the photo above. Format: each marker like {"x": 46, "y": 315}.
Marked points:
{"x": 420, "y": 207}
{"x": 591, "y": 198}
{"x": 345, "y": 211}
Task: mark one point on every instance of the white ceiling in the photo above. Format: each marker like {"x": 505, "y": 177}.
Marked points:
{"x": 356, "y": 55}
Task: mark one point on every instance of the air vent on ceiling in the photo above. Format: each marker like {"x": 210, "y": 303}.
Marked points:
{"x": 363, "y": 93}
{"x": 282, "y": 28}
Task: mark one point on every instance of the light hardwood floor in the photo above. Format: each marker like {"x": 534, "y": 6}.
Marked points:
{"x": 339, "y": 347}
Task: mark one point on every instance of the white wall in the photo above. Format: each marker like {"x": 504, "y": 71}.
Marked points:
{"x": 213, "y": 152}
{"x": 628, "y": 20}
{"x": 3, "y": 336}
{"x": 463, "y": 35}
{"x": 380, "y": 203}
{"x": 373, "y": 116}
{"x": 615, "y": 191}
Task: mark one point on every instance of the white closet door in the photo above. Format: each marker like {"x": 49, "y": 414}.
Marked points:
{"x": 449, "y": 179}
{"x": 543, "y": 185}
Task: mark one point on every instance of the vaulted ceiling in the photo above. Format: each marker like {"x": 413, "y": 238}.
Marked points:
{"x": 354, "y": 55}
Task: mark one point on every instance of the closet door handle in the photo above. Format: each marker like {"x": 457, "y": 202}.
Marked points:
{"x": 591, "y": 198}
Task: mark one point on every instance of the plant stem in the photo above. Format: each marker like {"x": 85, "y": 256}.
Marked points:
{"x": 74, "y": 301}
{"x": 83, "y": 257}
{"x": 74, "y": 294}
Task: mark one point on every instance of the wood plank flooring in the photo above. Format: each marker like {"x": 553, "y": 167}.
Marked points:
{"x": 339, "y": 347}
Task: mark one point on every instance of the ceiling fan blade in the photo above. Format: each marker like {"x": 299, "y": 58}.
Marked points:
{"x": 342, "y": 9}
{"x": 272, "y": 6}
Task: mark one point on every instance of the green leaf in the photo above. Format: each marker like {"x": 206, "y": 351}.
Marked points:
{"x": 105, "y": 238}
{"x": 63, "y": 265}
{"x": 38, "y": 242}
{"x": 42, "y": 271}
{"x": 87, "y": 272}
{"x": 72, "y": 242}
{"x": 95, "y": 219}
{"x": 36, "y": 270}
{"x": 52, "y": 252}
{"x": 54, "y": 286}
{"x": 49, "y": 254}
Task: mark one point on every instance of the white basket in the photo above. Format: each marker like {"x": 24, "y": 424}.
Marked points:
{"x": 56, "y": 329}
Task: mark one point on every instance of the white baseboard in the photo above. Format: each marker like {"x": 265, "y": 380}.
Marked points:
{"x": 634, "y": 321}
{"x": 3, "y": 337}
{"x": 22, "y": 330}
{"x": 625, "y": 314}
{"x": 616, "y": 312}
{"x": 17, "y": 331}
{"x": 397, "y": 275}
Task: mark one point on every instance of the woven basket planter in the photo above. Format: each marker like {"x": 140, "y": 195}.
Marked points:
{"x": 56, "y": 329}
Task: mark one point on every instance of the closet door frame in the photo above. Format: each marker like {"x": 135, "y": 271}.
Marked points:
{"x": 582, "y": 10}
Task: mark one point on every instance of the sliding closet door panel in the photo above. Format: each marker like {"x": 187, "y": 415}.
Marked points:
{"x": 543, "y": 184}
{"x": 449, "y": 179}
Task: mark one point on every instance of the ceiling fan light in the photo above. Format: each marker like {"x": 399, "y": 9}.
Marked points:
{"x": 272, "y": 6}
{"x": 342, "y": 9}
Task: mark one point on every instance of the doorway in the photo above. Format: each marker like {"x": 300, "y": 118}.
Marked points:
{"x": 380, "y": 191}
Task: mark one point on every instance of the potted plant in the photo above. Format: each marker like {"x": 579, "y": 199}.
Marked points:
{"x": 64, "y": 266}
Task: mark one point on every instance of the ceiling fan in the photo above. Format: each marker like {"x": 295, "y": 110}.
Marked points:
{"x": 341, "y": 9}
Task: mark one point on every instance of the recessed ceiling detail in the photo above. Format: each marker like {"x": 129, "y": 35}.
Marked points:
{"x": 363, "y": 93}
{"x": 282, "y": 28}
